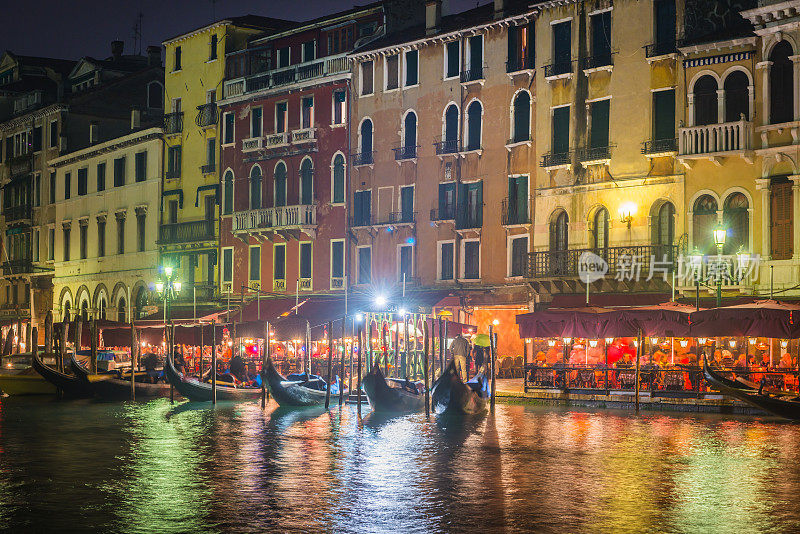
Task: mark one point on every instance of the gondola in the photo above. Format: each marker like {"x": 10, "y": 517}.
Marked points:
{"x": 782, "y": 406}
{"x": 113, "y": 386}
{"x": 391, "y": 395}
{"x": 194, "y": 390}
{"x": 308, "y": 390}
{"x": 70, "y": 385}
{"x": 18, "y": 377}
{"x": 451, "y": 395}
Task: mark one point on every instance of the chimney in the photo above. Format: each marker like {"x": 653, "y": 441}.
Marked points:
{"x": 499, "y": 9}
{"x": 154, "y": 56}
{"x": 433, "y": 16}
{"x": 116, "y": 49}
{"x": 136, "y": 119}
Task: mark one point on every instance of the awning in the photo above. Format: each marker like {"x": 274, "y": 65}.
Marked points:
{"x": 764, "y": 318}
{"x": 608, "y": 300}
{"x": 669, "y": 319}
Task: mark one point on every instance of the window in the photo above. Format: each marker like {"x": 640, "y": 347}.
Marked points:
{"x": 705, "y": 100}
{"x": 405, "y": 255}
{"x": 337, "y": 259}
{"x": 339, "y": 107}
{"x": 140, "y": 230}
{"x": 51, "y": 244}
{"x": 172, "y": 212}
{"x": 53, "y": 134}
{"x": 562, "y": 47}
{"x": 392, "y": 72}
{"x": 665, "y": 25}
{"x": 781, "y": 220}
{"x": 227, "y": 266}
{"x": 281, "y": 117}
{"x": 255, "y": 122}
{"x": 735, "y": 218}
{"x": 83, "y": 228}
{"x": 474, "y": 126}
{"x": 362, "y": 206}
{"x": 598, "y": 134}
{"x": 518, "y": 256}
{"x": 83, "y": 181}
{"x": 446, "y": 259}
{"x": 407, "y": 203}
{"x": 255, "y": 263}
{"x": 365, "y": 140}
{"x": 140, "y": 166}
{"x": 177, "y": 59}
{"x": 101, "y": 237}
{"x": 37, "y": 189}
{"x": 121, "y": 306}
{"x": 737, "y": 96}
{"x": 451, "y": 128}
{"x": 211, "y": 152}
{"x": 664, "y": 227}
{"x": 600, "y": 229}
{"x": 601, "y": 39}
{"x": 447, "y": 201}
{"x": 364, "y": 265}
{"x": 255, "y": 187}
{"x": 475, "y": 57}
{"x": 781, "y": 83}
{"x": 522, "y": 117}
{"x": 309, "y": 50}
{"x": 212, "y": 48}
{"x": 306, "y": 182}
{"x": 471, "y": 264}
{"x": 227, "y": 135}
{"x": 120, "y": 234}
{"x": 101, "y": 176}
{"x": 517, "y": 206}
{"x": 470, "y": 205}
{"x": 367, "y": 69}
{"x": 305, "y": 260}
{"x": 173, "y": 162}
{"x": 410, "y": 135}
{"x": 282, "y": 57}
{"x": 338, "y": 179}
{"x": 560, "y": 130}
{"x": 37, "y": 138}
{"x": 664, "y": 114}
{"x": 412, "y": 68}
{"x": 119, "y": 172}
{"x": 36, "y": 245}
{"x": 559, "y": 228}
{"x": 307, "y": 112}
{"x": 67, "y": 185}
{"x": 280, "y": 184}
{"x": 279, "y": 265}
{"x": 704, "y": 221}
{"x": 66, "y": 242}
{"x": 452, "y": 60}
{"x": 520, "y": 48}
{"x": 341, "y": 39}
{"x": 227, "y": 192}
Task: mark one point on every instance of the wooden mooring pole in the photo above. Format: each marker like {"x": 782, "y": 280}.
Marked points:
{"x": 358, "y": 370}
{"x": 341, "y": 367}
{"x": 213, "y": 362}
{"x": 426, "y": 341}
{"x": 330, "y": 365}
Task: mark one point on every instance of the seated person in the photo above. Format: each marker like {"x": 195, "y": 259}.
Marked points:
{"x": 149, "y": 362}
{"x": 238, "y": 368}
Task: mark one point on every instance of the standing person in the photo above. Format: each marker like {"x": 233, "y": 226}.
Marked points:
{"x": 479, "y": 359}
{"x": 460, "y": 347}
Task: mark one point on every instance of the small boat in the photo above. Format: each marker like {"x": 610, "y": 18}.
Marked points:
{"x": 115, "y": 386}
{"x": 780, "y": 405}
{"x": 450, "y": 394}
{"x": 303, "y": 390}
{"x": 71, "y": 385}
{"x": 392, "y": 395}
{"x": 17, "y": 377}
{"x": 194, "y": 390}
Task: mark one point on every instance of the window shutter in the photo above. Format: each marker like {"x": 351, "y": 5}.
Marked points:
{"x": 561, "y": 130}
{"x": 664, "y": 114}
{"x": 599, "y": 134}
{"x": 782, "y": 221}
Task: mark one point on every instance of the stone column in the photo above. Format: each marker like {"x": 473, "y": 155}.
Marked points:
{"x": 720, "y": 108}
{"x": 762, "y": 184}
{"x": 751, "y": 103}
{"x": 690, "y": 113}
{"x": 765, "y": 67}
{"x": 796, "y": 89}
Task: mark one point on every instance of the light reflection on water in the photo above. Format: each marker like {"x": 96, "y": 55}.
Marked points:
{"x": 143, "y": 467}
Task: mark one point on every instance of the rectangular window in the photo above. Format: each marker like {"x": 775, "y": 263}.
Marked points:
{"x": 212, "y": 52}
{"x": 211, "y": 152}
{"x": 53, "y": 134}
{"x": 337, "y": 259}
{"x": 172, "y": 212}
{"x": 282, "y": 57}
{"x": 560, "y": 130}
{"x": 453, "y": 59}
{"x": 446, "y": 258}
{"x": 83, "y": 235}
{"x": 36, "y": 245}
{"x": 83, "y": 181}
{"x": 665, "y": 25}
{"x": 475, "y": 58}
{"x": 140, "y": 231}
{"x": 279, "y": 262}
{"x": 407, "y": 204}
{"x": 392, "y": 72}
{"x": 37, "y": 138}
{"x": 781, "y": 220}
{"x": 281, "y": 117}
{"x": 119, "y": 172}
{"x": 562, "y": 43}
{"x": 405, "y": 262}
{"x": 601, "y": 38}
{"x": 470, "y": 205}
{"x": 51, "y": 244}
{"x": 362, "y": 205}
{"x": 309, "y": 51}
{"x": 177, "y": 59}
{"x": 364, "y": 265}
{"x": 227, "y": 265}
{"x": 520, "y": 48}
{"x": 67, "y": 185}
{"x": 339, "y": 107}
{"x": 173, "y": 162}
{"x": 517, "y": 203}
{"x": 140, "y": 164}
{"x": 227, "y": 136}
{"x": 307, "y": 112}
{"x": 101, "y": 237}
{"x": 367, "y": 78}
{"x": 412, "y": 68}
{"x": 664, "y": 114}
{"x": 518, "y": 256}
{"x": 255, "y": 122}
{"x": 598, "y": 135}
{"x": 447, "y": 201}
{"x": 66, "y": 244}
{"x": 37, "y": 190}
{"x": 305, "y": 260}
{"x": 101, "y": 176}
{"x": 120, "y": 235}
{"x": 471, "y": 262}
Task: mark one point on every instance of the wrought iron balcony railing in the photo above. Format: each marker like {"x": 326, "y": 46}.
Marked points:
{"x": 363, "y": 158}
{"x": 519, "y": 63}
{"x": 17, "y": 213}
{"x": 597, "y": 61}
{"x": 405, "y": 152}
{"x": 173, "y": 173}
{"x": 558, "y": 68}
{"x": 513, "y": 213}
{"x": 565, "y": 263}
{"x": 208, "y": 168}
{"x": 206, "y": 115}
{"x": 447, "y": 213}
{"x": 660, "y": 49}
{"x": 447, "y": 147}
{"x": 660, "y": 146}
{"x": 186, "y": 232}
{"x": 467, "y": 219}
{"x": 472, "y": 75}
{"x": 596, "y": 153}
{"x": 554, "y": 159}
{"x": 173, "y": 122}
{"x": 12, "y": 267}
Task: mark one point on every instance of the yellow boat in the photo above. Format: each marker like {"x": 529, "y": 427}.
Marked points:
{"x": 25, "y": 382}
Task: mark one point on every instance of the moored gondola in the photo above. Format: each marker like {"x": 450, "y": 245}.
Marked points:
{"x": 451, "y": 395}
{"x": 194, "y": 390}
{"x": 392, "y": 395}
{"x": 782, "y": 406}
{"x": 18, "y": 377}
{"x": 70, "y": 385}
{"x": 115, "y": 386}
{"x": 309, "y": 391}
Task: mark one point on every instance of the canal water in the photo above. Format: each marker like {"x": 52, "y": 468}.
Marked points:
{"x": 156, "y": 467}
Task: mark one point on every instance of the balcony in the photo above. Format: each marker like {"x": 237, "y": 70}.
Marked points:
{"x": 172, "y": 174}
{"x": 18, "y": 213}
{"x": 173, "y": 123}
{"x": 279, "y": 218}
{"x": 206, "y": 115}
{"x": 252, "y": 144}
{"x": 597, "y": 62}
{"x": 559, "y": 69}
{"x": 17, "y": 267}
{"x": 660, "y": 147}
{"x": 394, "y": 218}
{"x": 304, "y": 284}
{"x": 657, "y": 50}
{"x": 513, "y": 214}
{"x": 733, "y": 270}
{"x": 337, "y": 282}
{"x": 405, "y": 152}
{"x": 598, "y": 155}
{"x": 448, "y": 213}
{"x": 715, "y": 140}
{"x": 186, "y": 232}
{"x": 519, "y": 64}
{"x": 447, "y": 147}
{"x": 647, "y": 259}
{"x": 20, "y": 165}
{"x": 469, "y": 219}
{"x": 208, "y": 168}
{"x": 475, "y": 74}
{"x": 310, "y": 70}
{"x": 304, "y": 135}
{"x": 362, "y": 158}
{"x": 555, "y": 160}
{"x": 276, "y": 140}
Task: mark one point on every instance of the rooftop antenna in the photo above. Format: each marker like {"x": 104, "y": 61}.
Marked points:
{"x": 137, "y": 33}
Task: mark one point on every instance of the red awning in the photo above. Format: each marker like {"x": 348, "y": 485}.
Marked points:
{"x": 669, "y": 319}
{"x": 592, "y": 323}
{"x": 609, "y": 300}
{"x": 764, "y": 318}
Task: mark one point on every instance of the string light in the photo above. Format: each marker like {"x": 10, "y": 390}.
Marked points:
{"x": 567, "y": 339}
{"x": 551, "y": 342}
{"x": 609, "y": 340}
{"x": 732, "y": 343}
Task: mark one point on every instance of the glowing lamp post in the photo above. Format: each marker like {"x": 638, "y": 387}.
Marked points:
{"x": 168, "y": 289}
{"x": 719, "y": 241}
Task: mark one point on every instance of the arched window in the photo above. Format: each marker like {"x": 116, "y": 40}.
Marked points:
{"x": 559, "y": 242}
{"x": 85, "y": 310}
{"x": 664, "y": 225}
{"x": 121, "y": 305}
{"x": 307, "y": 182}
{"x": 141, "y": 301}
{"x": 280, "y": 184}
{"x": 366, "y": 138}
{"x": 255, "y": 187}
{"x": 522, "y": 117}
{"x": 704, "y": 221}
{"x": 451, "y": 126}
{"x": 410, "y": 134}
{"x": 155, "y": 95}
{"x": 227, "y": 193}
{"x": 781, "y": 84}
{"x": 705, "y": 100}
{"x": 735, "y": 217}
{"x": 737, "y": 96}
{"x": 474, "y": 118}
{"x": 66, "y": 311}
{"x": 600, "y": 234}
{"x": 338, "y": 179}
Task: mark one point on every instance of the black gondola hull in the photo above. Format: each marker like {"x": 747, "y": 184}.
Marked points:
{"x": 385, "y": 398}
{"x": 197, "y": 391}
{"x": 451, "y": 395}
{"x": 70, "y": 385}
{"x": 288, "y": 393}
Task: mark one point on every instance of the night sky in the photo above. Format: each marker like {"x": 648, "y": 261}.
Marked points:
{"x": 70, "y": 29}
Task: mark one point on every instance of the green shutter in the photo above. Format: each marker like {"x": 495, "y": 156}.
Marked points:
{"x": 664, "y": 114}
{"x": 561, "y": 130}
{"x": 599, "y": 133}
{"x": 411, "y": 67}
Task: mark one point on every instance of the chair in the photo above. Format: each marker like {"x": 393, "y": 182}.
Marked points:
{"x": 627, "y": 379}
{"x": 543, "y": 377}
{"x": 585, "y": 378}
{"x": 673, "y": 380}
{"x": 518, "y": 367}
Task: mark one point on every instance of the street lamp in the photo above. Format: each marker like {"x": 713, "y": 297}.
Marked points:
{"x": 719, "y": 241}
{"x": 168, "y": 289}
